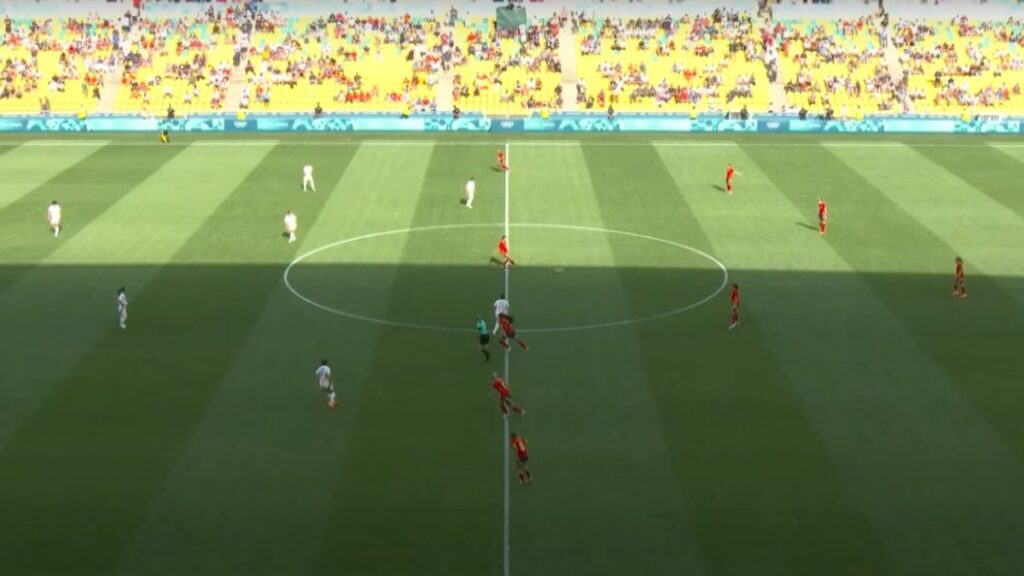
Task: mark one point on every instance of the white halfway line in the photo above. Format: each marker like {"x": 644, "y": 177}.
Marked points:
{"x": 506, "y": 524}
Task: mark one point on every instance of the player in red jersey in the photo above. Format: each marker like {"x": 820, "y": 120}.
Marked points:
{"x": 501, "y": 161}
{"x": 729, "y": 173}
{"x": 958, "y": 281}
{"x": 503, "y": 251}
{"x": 519, "y": 445}
{"x": 505, "y": 397}
{"x": 734, "y": 296}
{"x": 508, "y": 331}
{"x": 822, "y": 216}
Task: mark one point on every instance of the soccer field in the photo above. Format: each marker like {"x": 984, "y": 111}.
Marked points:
{"x": 860, "y": 420}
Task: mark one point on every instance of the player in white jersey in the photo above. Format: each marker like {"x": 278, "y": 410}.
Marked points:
{"x": 122, "y": 308}
{"x": 291, "y": 224}
{"x": 53, "y": 217}
{"x": 307, "y": 178}
{"x": 501, "y": 307}
{"x": 323, "y": 378}
{"x": 470, "y": 192}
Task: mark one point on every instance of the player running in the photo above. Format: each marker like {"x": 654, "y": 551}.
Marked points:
{"x": 506, "y": 260}
{"x": 291, "y": 224}
{"x": 730, "y": 172}
{"x": 505, "y": 397}
{"x": 122, "y": 308}
{"x": 958, "y": 280}
{"x": 53, "y": 215}
{"x": 485, "y": 338}
{"x": 470, "y": 192}
{"x": 502, "y": 165}
{"x": 519, "y": 445}
{"x": 822, "y": 216}
{"x": 501, "y": 307}
{"x": 508, "y": 332}
{"x": 734, "y": 297}
{"x": 307, "y": 177}
{"x": 323, "y": 376}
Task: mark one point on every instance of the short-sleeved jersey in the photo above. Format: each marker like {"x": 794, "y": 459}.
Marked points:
{"x": 481, "y": 327}
{"x": 519, "y": 445}
{"x": 307, "y": 170}
{"x": 501, "y": 306}
{"x": 734, "y": 296}
{"x": 471, "y": 187}
{"x": 503, "y": 245}
{"x": 323, "y": 374}
{"x": 53, "y": 212}
{"x": 500, "y": 387}
{"x": 729, "y": 173}
{"x": 501, "y": 156}
{"x": 291, "y": 221}
{"x": 122, "y": 301}
{"x": 959, "y": 269}
{"x": 822, "y": 209}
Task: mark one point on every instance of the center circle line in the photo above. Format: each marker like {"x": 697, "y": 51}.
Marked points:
{"x": 574, "y": 328}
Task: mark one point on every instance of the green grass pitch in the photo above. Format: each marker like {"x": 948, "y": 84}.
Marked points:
{"x": 860, "y": 420}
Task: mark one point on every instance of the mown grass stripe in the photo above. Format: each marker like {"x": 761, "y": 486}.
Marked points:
{"x": 413, "y": 385}
{"x": 91, "y": 183}
{"x": 569, "y": 277}
{"x": 692, "y": 380}
{"x": 891, "y": 374}
{"x": 226, "y": 461}
{"x": 153, "y": 380}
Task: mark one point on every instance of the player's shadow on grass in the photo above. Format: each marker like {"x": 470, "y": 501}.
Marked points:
{"x": 718, "y": 187}
{"x": 806, "y": 225}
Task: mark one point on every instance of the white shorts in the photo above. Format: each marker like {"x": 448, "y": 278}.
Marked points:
{"x": 55, "y": 222}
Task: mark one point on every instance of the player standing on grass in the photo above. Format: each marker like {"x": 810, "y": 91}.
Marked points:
{"x": 501, "y": 307}
{"x": 291, "y": 224}
{"x": 519, "y": 445}
{"x": 822, "y": 216}
{"x": 307, "y": 177}
{"x": 729, "y": 173}
{"x": 505, "y": 397}
{"x": 502, "y": 165}
{"x": 503, "y": 251}
{"x": 508, "y": 332}
{"x": 734, "y": 297}
{"x": 53, "y": 214}
{"x": 470, "y": 192}
{"x": 485, "y": 338}
{"x": 323, "y": 377}
{"x": 958, "y": 280}
{"x": 122, "y": 308}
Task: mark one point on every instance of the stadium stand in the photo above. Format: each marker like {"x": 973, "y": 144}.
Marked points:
{"x": 962, "y": 64}
{"x": 702, "y": 63}
{"x": 55, "y": 65}
{"x": 511, "y": 72}
{"x": 845, "y": 60}
{"x": 836, "y": 67}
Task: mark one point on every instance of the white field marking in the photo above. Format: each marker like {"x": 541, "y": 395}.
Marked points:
{"x": 506, "y": 522}
{"x": 691, "y": 142}
{"x": 836, "y": 144}
{"x": 231, "y": 143}
{"x": 572, "y": 328}
{"x": 66, "y": 143}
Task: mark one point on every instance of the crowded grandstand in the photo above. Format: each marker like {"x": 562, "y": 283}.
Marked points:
{"x": 844, "y": 61}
